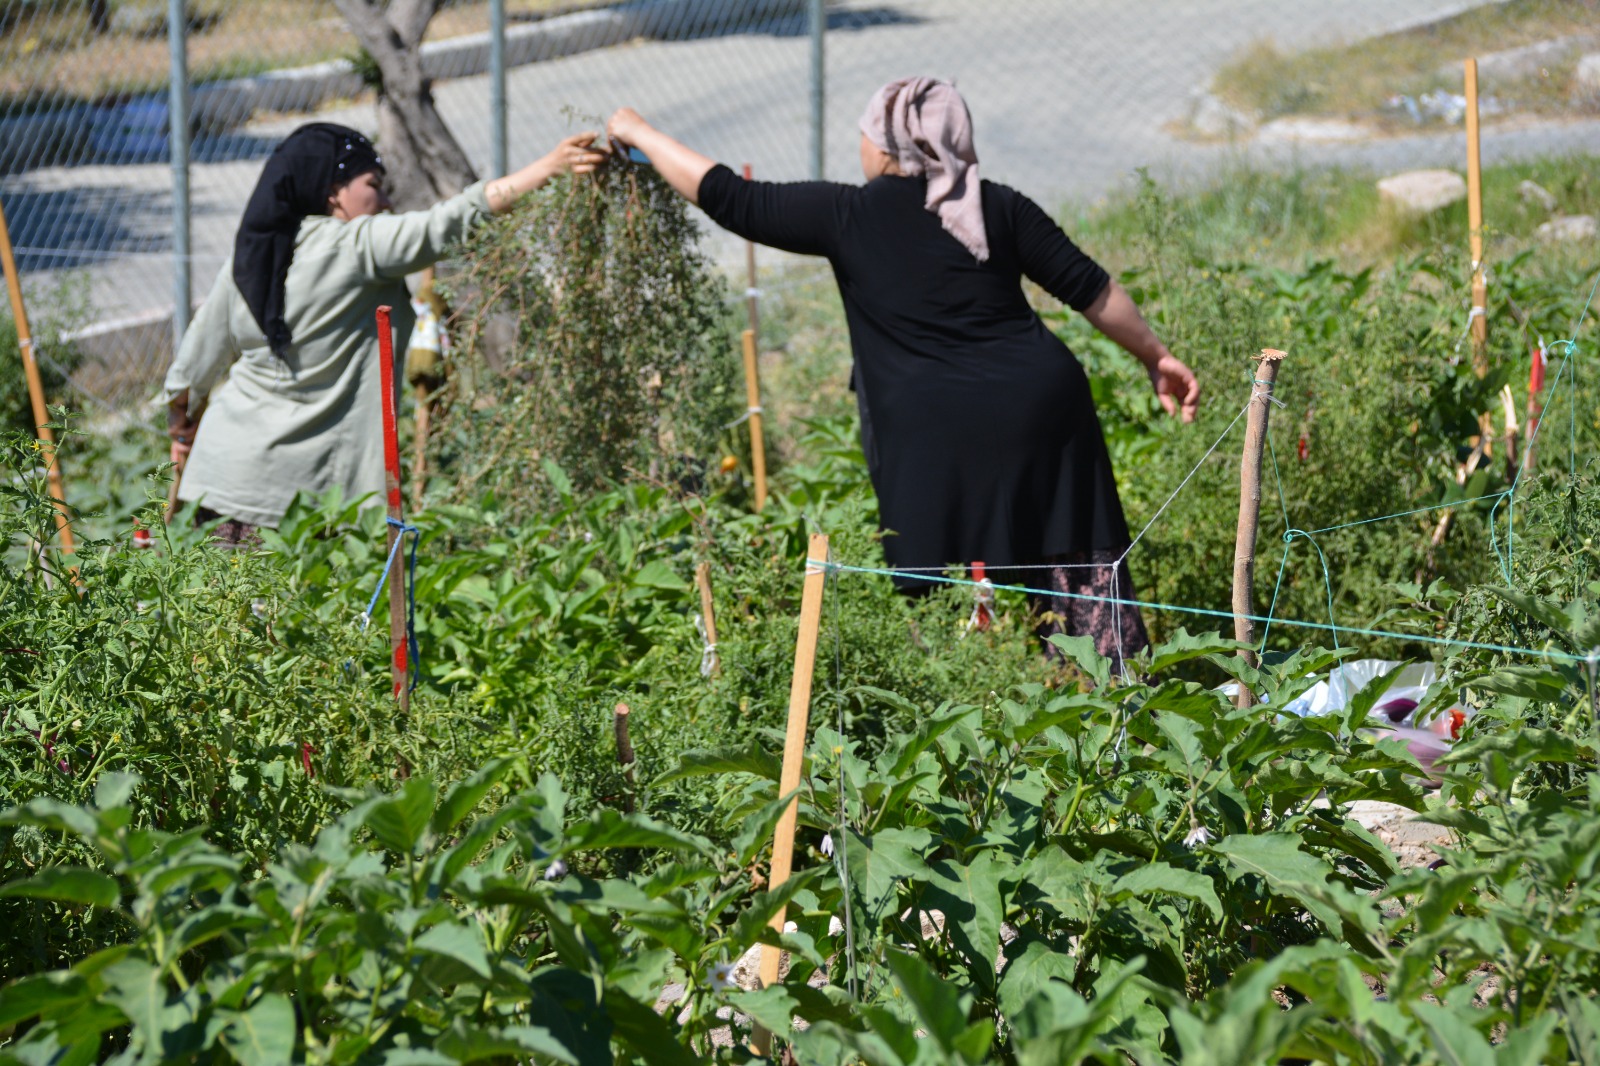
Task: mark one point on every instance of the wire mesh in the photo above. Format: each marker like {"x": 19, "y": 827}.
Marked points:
{"x": 1068, "y": 99}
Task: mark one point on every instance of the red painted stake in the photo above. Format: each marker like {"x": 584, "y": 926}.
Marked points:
{"x": 391, "y": 480}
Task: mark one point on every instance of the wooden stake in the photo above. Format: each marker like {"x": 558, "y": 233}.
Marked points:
{"x": 751, "y": 307}
{"x": 619, "y": 724}
{"x": 1479, "y": 325}
{"x": 419, "y": 447}
{"x": 30, "y": 370}
{"x": 401, "y": 649}
{"x": 752, "y": 393}
{"x": 1244, "y": 545}
{"x": 752, "y": 378}
{"x": 708, "y": 615}
{"x": 794, "y": 750}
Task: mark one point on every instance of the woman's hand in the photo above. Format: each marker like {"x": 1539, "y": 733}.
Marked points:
{"x": 682, "y": 166}
{"x": 1175, "y": 386}
{"x": 625, "y": 126}
{"x": 577, "y": 154}
{"x": 181, "y": 427}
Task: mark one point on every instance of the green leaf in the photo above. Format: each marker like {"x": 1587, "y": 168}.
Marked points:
{"x": 1032, "y": 963}
{"x": 646, "y": 1033}
{"x": 1543, "y": 611}
{"x": 607, "y": 828}
{"x": 1288, "y": 871}
{"x": 1160, "y": 877}
{"x": 942, "y": 1012}
{"x": 1533, "y": 682}
{"x": 713, "y": 762}
{"x": 878, "y": 863}
{"x": 42, "y": 994}
{"x": 453, "y": 940}
{"x": 657, "y": 574}
{"x": 464, "y": 796}
{"x": 1081, "y": 651}
{"x": 1183, "y": 647}
{"x": 399, "y": 819}
{"x": 113, "y": 789}
{"x": 969, "y": 894}
{"x": 467, "y": 1043}
{"x": 68, "y": 884}
{"x": 264, "y": 1035}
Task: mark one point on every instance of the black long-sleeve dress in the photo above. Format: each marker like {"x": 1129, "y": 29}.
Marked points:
{"x": 984, "y": 443}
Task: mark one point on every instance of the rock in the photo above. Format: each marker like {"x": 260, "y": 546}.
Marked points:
{"x": 1586, "y": 81}
{"x": 1211, "y": 116}
{"x": 1569, "y": 228}
{"x": 139, "y": 20}
{"x": 1531, "y": 192}
{"x": 1528, "y": 61}
{"x": 1313, "y": 130}
{"x": 1422, "y": 192}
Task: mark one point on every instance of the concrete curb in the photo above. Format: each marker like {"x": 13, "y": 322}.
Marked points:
{"x": 217, "y": 107}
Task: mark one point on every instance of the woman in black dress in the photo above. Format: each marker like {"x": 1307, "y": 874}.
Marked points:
{"x": 978, "y": 425}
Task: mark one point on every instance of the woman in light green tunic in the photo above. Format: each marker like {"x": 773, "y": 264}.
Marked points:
{"x": 282, "y": 358}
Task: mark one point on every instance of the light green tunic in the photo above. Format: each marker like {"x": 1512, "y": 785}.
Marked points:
{"x": 274, "y": 427}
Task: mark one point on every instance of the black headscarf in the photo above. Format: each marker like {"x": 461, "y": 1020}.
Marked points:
{"x": 296, "y": 182}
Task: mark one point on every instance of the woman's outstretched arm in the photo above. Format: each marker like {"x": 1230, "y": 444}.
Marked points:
{"x": 682, "y": 166}
{"x": 577, "y": 154}
{"x": 1115, "y": 314}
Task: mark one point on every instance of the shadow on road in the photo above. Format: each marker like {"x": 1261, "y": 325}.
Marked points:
{"x": 82, "y": 226}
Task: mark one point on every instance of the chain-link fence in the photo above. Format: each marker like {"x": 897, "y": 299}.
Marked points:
{"x": 1069, "y": 97}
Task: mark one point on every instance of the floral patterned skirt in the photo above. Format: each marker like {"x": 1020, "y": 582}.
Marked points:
{"x": 1083, "y": 583}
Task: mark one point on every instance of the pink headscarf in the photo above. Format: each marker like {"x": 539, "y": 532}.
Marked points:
{"x": 925, "y": 127}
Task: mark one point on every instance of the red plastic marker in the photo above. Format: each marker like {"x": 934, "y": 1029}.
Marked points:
{"x": 391, "y": 466}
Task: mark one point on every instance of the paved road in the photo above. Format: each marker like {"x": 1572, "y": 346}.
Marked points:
{"x": 1068, "y": 99}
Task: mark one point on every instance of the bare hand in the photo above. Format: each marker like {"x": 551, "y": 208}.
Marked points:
{"x": 577, "y": 154}
{"x": 625, "y": 125}
{"x": 1175, "y": 387}
{"x": 180, "y": 453}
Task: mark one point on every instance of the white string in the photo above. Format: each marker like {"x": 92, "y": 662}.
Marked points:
{"x": 983, "y": 603}
{"x": 749, "y": 412}
{"x": 708, "y": 654}
{"x": 1188, "y": 478}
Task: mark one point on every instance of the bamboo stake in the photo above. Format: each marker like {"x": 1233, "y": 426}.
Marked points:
{"x": 752, "y": 378}
{"x": 30, "y": 370}
{"x": 419, "y": 447}
{"x": 1480, "y": 323}
{"x": 619, "y": 725}
{"x": 710, "y": 666}
{"x": 751, "y": 293}
{"x": 752, "y": 394}
{"x": 401, "y": 666}
{"x": 794, "y": 749}
{"x": 1244, "y": 545}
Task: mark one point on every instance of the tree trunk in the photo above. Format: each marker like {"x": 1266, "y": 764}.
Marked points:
{"x": 423, "y": 159}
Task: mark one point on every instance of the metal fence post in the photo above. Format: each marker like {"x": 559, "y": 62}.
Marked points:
{"x": 497, "y": 88}
{"x": 178, "y": 146}
{"x": 819, "y": 26}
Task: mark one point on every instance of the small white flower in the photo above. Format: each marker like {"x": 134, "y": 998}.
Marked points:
{"x": 1199, "y": 836}
{"x": 555, "y": 871}
{"x": 827, "y": 844}
{"x": 720, "y": 976}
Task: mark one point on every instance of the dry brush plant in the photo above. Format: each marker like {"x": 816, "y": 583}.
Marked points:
{"x": 621, "y": 366}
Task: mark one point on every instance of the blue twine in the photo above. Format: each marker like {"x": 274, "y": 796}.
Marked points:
{"x": 1539, "y": 653}
{"x": 411, "y": 592}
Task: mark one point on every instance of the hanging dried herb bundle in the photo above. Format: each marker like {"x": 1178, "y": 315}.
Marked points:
{"x": 621, "y": 367}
